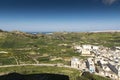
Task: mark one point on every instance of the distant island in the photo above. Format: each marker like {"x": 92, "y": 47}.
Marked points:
{"x": 107, "y": 31}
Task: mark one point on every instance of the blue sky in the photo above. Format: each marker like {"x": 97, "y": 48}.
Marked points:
{"x": 59, "y": 15}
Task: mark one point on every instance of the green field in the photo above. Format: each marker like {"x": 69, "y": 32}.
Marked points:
{"x": 72, "y": 73}
{"x": 29, "y": 48}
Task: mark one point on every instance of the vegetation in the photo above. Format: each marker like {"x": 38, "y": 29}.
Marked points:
{"x": 29, "y": 48}
{"x": 72, "y": 73}
{"x": 88, "y": 76}
{"x": 22, "y": 48}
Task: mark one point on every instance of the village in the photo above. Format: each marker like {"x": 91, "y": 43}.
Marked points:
{"x": 102, "y": 61}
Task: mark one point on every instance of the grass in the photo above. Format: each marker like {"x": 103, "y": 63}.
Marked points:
{"x": 49, "y": 44}
{"x": 72, "y": 73}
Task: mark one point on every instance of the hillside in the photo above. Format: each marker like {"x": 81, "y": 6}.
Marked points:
{"x": 57, "y": 48}
{"x": 49, "y": 48}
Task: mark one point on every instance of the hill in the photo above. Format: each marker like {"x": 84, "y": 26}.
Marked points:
{"x": 22, "y": 48}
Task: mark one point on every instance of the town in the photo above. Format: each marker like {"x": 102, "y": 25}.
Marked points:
{"x": 102, "y": 61}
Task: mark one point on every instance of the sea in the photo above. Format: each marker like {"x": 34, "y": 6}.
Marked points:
{"x": 40, "y": 32}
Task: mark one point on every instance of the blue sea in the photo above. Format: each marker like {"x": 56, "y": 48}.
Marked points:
{"x": 40, "y": 32}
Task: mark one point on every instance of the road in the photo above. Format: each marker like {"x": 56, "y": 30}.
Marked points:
{"x": 57, "y": 65}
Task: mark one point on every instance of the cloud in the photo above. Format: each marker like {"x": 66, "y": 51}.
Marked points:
{"x": 109, "y": 2}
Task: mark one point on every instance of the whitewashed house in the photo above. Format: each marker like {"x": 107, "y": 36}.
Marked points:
{"x": 105, "y": 67}
{"x": 95, "y": 47}
{"x": 85, "y": 52}
{"x": 117, "y": 47}
{"x": 75, "y": 63}
{"x": 90, "y": 65}
{"x": 87, "y": 47}
{"x": 77, "y": 47}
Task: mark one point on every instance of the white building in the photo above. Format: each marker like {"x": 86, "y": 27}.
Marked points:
{"x": 95, "y": 47}
{"x": 87, "y": 47}
{"x": 103, "y": 61}
{"x": 105, "y": 68}
{"x": 90, "y": 65}
{"x": 85, "y": 52}
{"x": 77, "y": 47}
{"x": 118, "y": 48}
{"x": 75, "y": 63}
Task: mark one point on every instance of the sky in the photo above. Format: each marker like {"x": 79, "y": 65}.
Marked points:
{"x": 59, "y": 15}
